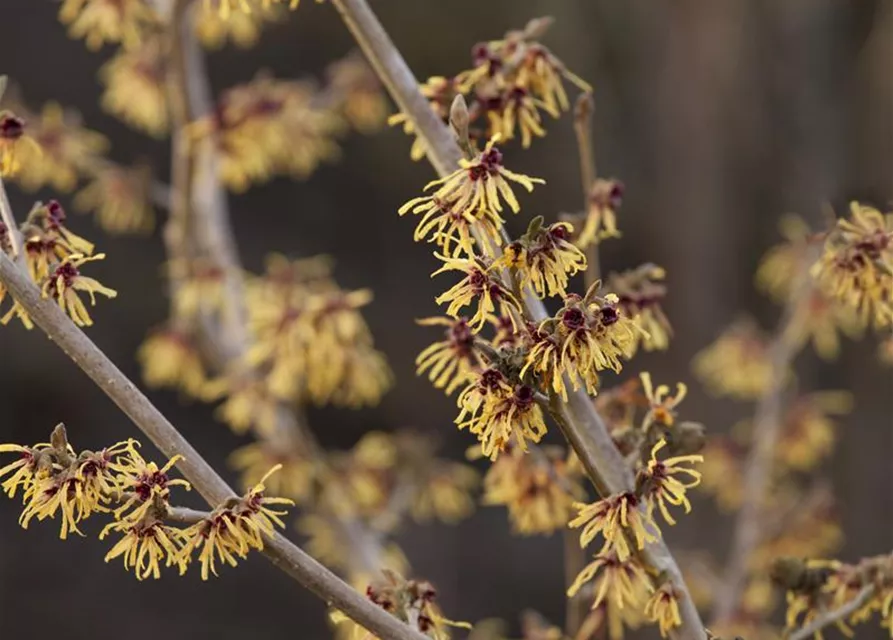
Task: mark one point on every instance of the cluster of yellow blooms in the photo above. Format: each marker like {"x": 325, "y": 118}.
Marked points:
{"x": 308, "y": 341}
{"x": 512, "y": 81}
{"x": 815, "y": 587}
{"x": 55, "y": 480}
{"x": 411, "y": 601}
{"x": 54, "y": 255}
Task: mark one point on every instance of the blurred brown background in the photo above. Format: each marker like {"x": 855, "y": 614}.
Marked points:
{"x": 719, "y": 115}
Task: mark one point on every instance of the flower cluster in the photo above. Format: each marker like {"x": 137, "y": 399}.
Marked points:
{"x": 737, "y": 363}
{"x": 57, "y": 481}
{"x": 544, "y": 258}
{"x": 856, "y": 268}
{"x": 14, "y": 143}
{"x": 538, "y": 490}
{"x": 54, "y": 255}
{"x": 135, "y": 91}
{"x": 513, "y": 81}
{"x": 815, "y": 587}
{"x": 470, "y": 200}
{"x": 600, "y": 223}
{"x": 588, "y": 335}
{"x": 270, "y": 127}
{"x": 410, "y": 601}
{"x": 640, "y": 293}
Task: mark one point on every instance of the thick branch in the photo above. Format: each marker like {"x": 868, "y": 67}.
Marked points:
{"x": 582, "y": 425}
{"x": 837, "y": 615}
{"x": 283, "y": 553}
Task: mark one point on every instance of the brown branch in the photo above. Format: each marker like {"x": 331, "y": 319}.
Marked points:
{"x": 283, "y": 553}
{"x": 184, "y": 515}
{"x": 837, "y": 615}
{"x": 580, "y": 423}
{"x": 12, "y": 229}
{"x": 586, "y": 148}
{"x": 210, "y": 235}
{"x": 749, "y": 525}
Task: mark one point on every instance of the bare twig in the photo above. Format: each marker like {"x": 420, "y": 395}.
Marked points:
{"x": 283, "y": 553}
{"x": 12, "y": 229}
{"x": 580, "y": 423}
{"x": 749, "y": 525}
{"x": 837, "y": 615}
{"x": 583, "y": 129}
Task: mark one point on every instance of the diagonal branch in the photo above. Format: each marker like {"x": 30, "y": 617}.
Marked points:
{"x": 278, "y": 549}
{"x": 837, "y": 615}
{"x": 580, "y": 423}
{"x": 749, "y": 525}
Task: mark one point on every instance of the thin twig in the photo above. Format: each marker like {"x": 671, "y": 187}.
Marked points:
{"x": 282, "y": 552}
{"x": 837, "y": 615}
{"x": 581, "y": 424}
{"x": 583, "y": 130}
{"x": 12, "y": 229}
{"x": 749, "y": 525}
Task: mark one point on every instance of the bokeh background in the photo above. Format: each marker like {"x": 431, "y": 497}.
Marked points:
{"x": 719, "y": 116}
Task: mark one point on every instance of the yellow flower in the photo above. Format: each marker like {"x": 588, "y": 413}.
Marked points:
{"x": 820, "y": 320}
{"x": 737, "y": 363}
{"x": 856, "y": 267}
{"x": 169, "y": 358}
{"x": 226, "y": 8}
{"x": 214, "y": 28}
{"x": 135, "y": 89}
{"x": 200, "y": 284}
{"x": 141, "y": 484}
{"x": 663, "y": 608}
{"x": 444, "y": 493}
{"x": 451, "y": 228}
{"x": 234, "y": 528}
{"x": 249, "y": 404}
{"x": 658, "y": 484}
{"x": 585, "y": 337}
{"x": 616, "y": 517}
{"x": 481, "y": 285}
{"x": 66, "y": 280}
{"x": 101, "y": 21}
{"x": 538, "y": 489}
{"x": 721, "y": 473}
{"x": 662, "y": 405}
{"x": 14, "y": 142}
{"x": 440, "y": 92}
{"x": 544, "y": 258}
{"x": 495, "y": 411}
{"x": 605, "y": 198}
{"x": 452, "y": 362}
{"x": 57, "y": 480}
{"x": 269, "y": 127}
{"x": 358, "y": 93}
{"x": 144, "y": 544}
{"x": 622, "y": 582}
{"x": 410, "y": 601}
{"x": 120, "y": 198}
{"x": 809, "y": 430}
{"x": 32, "y": 462}
{"x": 480, "y": 186}
{"x": 516, "y": 108}
{"x": 65, "y": 150}
{"x": 640, "y": 293}
{"x": 782, "y": 264}
{"x": 295, "y": 480}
